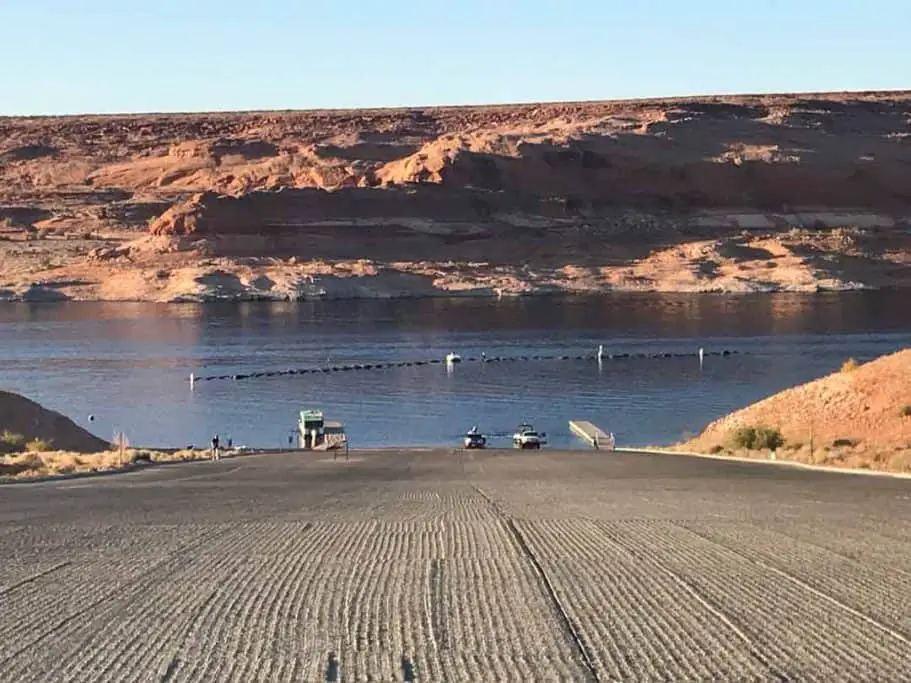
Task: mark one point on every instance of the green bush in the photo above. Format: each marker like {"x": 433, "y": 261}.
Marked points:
{"x": 905, "y": 411}
{"x": 38, "y": 445}
{"x": 757, "y": 438}
{"x": 11, "y": 443}
{"x": 744, "y": 437}
{"x": 769, "y": 438}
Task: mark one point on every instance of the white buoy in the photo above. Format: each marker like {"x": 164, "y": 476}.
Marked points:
{"x": 701, "y": 356}
{"x": 192, "y": 381}
{"x": 91, "y": 418}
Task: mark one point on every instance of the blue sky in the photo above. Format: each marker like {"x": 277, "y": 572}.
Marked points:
{"x": 79, "y": 56}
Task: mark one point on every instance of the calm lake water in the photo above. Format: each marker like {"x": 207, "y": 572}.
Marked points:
{"x": 128, "y": 364}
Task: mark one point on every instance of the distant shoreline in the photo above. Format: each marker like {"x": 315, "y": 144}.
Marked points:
{"x": 49, "y": 293}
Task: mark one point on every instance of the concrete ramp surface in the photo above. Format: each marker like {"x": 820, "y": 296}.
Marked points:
{"x": 457, "y": 566}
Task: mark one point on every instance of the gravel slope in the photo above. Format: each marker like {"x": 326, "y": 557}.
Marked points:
{"x": 497, "y": 566}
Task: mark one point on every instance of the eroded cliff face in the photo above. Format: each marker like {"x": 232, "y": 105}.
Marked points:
{"x": 731, "y": 194}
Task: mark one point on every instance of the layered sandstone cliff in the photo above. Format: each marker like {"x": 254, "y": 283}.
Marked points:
{"x": 731, "y": 193}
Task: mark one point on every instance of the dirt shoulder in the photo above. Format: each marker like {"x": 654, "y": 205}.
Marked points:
{"x": 40, "y": 465}
{"x": 857, "y": 417}
{"x": 798, "y": 192}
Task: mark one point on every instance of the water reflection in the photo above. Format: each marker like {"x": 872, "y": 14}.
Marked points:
{"x": 667, "y": 314}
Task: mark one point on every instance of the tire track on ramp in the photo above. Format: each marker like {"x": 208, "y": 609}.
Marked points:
{"x": 164, "y": 611}
{"x": 639, "y": 625}
{"x": 138, "y": 482}
{"x": 797, "y": 581}
{"x": 585, "y": 656}
{"x": 173, "y": 664}
{"x": 707, "y": 604}
{"x": 774, "y": 614}
{"x": 876, "y": 590}
{"x": 232, "y": 635}
{"x": 133, "y": 586}
{"x": 145, "y": 477}
{"x": 34, "y": 577}
{"x": 809, "y": 536}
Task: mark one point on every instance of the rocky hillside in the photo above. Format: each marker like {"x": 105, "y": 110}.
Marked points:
{"x": 695, "y": 194}
{"x": 22, "y": 421}
{"x": 857, "y": 416}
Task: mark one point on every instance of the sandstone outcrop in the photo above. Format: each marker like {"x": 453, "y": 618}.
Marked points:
{"x": 697, "y": 194}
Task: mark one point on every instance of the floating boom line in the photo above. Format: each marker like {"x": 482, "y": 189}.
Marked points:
{"x": 600, "y": 357}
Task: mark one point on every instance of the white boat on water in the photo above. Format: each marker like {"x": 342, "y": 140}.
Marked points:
{"x": 527, "y": 437}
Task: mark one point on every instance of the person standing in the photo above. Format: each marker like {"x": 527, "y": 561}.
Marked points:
{"x": 215, "y": 447}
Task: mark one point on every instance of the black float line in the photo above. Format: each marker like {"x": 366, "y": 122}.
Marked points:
{"x": 472, "y": 359}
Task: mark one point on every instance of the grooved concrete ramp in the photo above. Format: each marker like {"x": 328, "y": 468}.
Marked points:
{"x": 493, "y": 566}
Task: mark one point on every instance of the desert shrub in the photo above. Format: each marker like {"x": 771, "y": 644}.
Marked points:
{"x": 181, "y": 455}
{"x": 849, "y": 365}
{"x": 905, "y": 411}
{"x": 38, "y": 445}
{"x": 757, "y": 438}
{"x": 716, "y": 449}
{"x": 838, "y": 443}
{"x": 29, "y": 462}
{"x": 141, "y": 456}
{"x": 820, "y": 457}
{"x": 744, "y": 437}
{"x": 11, "y": 443}
{"x": 11, "y": 469}
{"x": 11, "y": 437}
{"x": 769, "y": 438}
